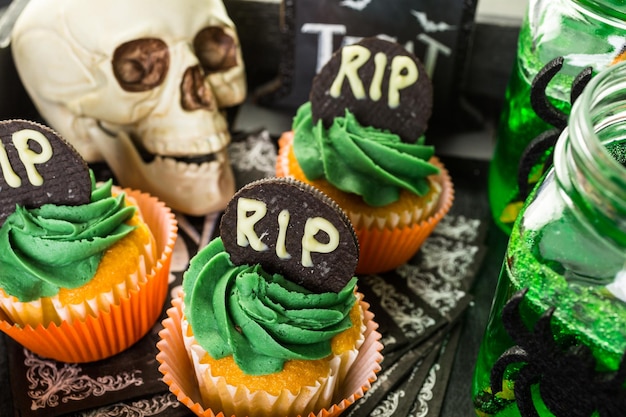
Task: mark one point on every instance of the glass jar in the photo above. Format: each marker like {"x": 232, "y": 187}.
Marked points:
{"x": 584, "y": 32}
{"x": 557, "y": 328}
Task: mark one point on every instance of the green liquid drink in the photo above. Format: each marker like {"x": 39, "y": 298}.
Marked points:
{"x": 555, "y": 342}
{"x": 551, "y": 29}
{"x": 590, "y": 314}
{"x": 518, "y": 126}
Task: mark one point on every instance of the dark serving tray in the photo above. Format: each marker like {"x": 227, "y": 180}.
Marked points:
{"x": 431, "y": 312}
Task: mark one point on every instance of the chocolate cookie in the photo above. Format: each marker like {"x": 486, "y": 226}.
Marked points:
{"x": 39, "y": 167}
{"x": 290, "y": 228}
{"x": 380, "y": 82}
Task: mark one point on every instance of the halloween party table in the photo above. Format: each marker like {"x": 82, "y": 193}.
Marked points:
{"x": 431, "y": 312}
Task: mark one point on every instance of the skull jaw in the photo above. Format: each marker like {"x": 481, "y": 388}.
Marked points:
{"x": 196, "y": 193}
{"x": 192, "y": 189}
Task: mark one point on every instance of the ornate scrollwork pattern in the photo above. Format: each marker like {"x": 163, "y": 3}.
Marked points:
{"x": 143, "y": 408}
{"x": 408, "y": 316}
{"x": 389, "y": 405}
{"x": 420, "y": 408}
{"x": 443, "y": 264}
{"x": 48, "y": 383}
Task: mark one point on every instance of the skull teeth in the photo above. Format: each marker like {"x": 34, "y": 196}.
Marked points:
{"x": 215, "y": 144}
{"x": 174, "y": 165}
{"x": 193, "y": 160}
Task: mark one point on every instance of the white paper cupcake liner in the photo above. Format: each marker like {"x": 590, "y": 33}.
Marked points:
{"x": 179, "y": 374}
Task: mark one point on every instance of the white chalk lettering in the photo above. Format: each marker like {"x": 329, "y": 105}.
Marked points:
{"x": 325, "y": 47}
{"x": 433, "y": 49}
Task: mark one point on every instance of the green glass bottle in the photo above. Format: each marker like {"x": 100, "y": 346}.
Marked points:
{"x": 555, "y": 341}
{"x": 584, "y": 32}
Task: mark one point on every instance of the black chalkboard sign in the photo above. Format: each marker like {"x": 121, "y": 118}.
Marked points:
{"x": 437, "y": 31}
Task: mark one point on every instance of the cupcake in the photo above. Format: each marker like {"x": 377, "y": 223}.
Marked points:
{"x": 360, "y": 139}
{"x": 84, "y": 266}
{"x": 269, "y": 322}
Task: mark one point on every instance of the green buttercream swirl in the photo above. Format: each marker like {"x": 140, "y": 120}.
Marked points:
{"x": 363, "y": 160}
{"x": 54, "y": 246}
{"x": 261, "y": 319}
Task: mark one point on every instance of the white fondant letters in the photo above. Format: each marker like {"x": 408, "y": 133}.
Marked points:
{"x": 403, "y": 74}
{"x": 281, "y": 242}
{"x": 27, "y": 156}
{"x": 310, "y": 244}
{"x": 10, "y": 176}
{"x": 352, "y": 58}
{"x": 376, "y": 91}
{"x": 245, "y": 224}
{"x": 246, "y": 235}
{"x": 30, "y": 158}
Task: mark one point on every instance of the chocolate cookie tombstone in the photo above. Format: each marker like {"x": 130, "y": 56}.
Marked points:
{"x": 39, "y": 167}
{"x": 380, "y": 82}
{"x": 292, "y": 229}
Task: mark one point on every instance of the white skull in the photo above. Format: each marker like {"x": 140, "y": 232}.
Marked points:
{"x": 142, "y": 84}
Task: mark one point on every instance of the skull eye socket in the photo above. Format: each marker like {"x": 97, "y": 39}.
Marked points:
{"x": 141, "y": 64}
{"x": 216, "y": 50}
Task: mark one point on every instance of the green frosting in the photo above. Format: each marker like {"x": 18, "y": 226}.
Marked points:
{"x": 52, "y": 247}
{"x": 261, "y": 319}
{"x": 363, "y": 160}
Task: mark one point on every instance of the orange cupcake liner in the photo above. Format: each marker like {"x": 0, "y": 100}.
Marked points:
{"x": 384, "y": 249}
{"x": 178, "y": 371}
{"x": 111, "y": 332}
{"x": 282, "y": 164}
